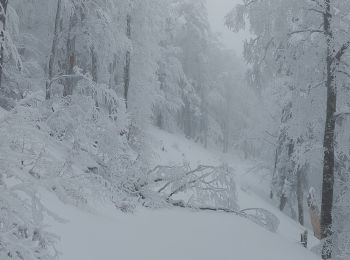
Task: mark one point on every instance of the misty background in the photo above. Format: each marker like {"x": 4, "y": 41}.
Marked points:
{"x": 137, "y": 129}
{"x": 217, "y": 11}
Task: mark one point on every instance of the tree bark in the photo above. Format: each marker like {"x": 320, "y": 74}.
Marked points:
{"x": 187, "y": 118}
{"x": 71, "y": 58}
{"x": 328, "y": 144}
{"x": 113, "y": 79}
{"x": 94, "y": 74}
{"x": 127, "y": 62}
{"x": 94, "y": 64}
{"x": 3, "y": 12}
{"x": 300, "y": 196}
{"x": 225, "y": 132}
{"x": 283, "y": 202}
{"x": 53, "y": 49}
{"x": 274, "y": 172}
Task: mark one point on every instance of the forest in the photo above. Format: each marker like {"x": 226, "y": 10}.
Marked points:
{"x": 129, "y": 130}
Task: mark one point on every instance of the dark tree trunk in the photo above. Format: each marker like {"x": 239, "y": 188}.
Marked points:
{"x": 94, "y": 73}
{"x": 226, "y": 124}
{"x": 71, "y": 58}
{"x": 187, "y": 119}
{"x": 300, "y": 196}
{"x": 225, "y": 136}
{"x": 328, "y": 145}
{"x": 283, "y": 202}
{"x": 3, "y": 13}
{"x": 159, "y": 120}
{"x": 53, "y": 49}
{"x": 303, "y": 239}
{"x": 127, "y": 62}
{"x": 274, "y": 172}
{"x": 204, "y": 125}
{"x": 113, "y": 79}
{"x": 284, "y": 195}
{"x": 94, "y": 64}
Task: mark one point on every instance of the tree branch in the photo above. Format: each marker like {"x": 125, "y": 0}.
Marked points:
{"x": 316, "y": 10}
{"x": 306, "y": 31}
{"x": 341, "y": 51}
{"x": 344, "y": 72}
{"x": 250, "y": 3}
{"x": 64, "y": 77}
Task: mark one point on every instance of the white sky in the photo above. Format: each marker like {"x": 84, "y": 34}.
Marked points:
{"x": 217, "y": 10}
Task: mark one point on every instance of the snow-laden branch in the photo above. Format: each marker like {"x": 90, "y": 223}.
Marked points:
{"x": 206, "y": 188}
{"x": 342, "y": 51}
{"x": 73, "y": 76}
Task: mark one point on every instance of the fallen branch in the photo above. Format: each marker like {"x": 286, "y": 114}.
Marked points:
{"x": 209, "y": 188}
{"x": 262, "y": 217}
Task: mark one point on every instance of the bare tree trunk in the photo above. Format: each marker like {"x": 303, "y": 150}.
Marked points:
{"x": 3, "y": 12}
{"x": 227, "y": 125}
{"x": 187, "y": 118}
{"x": 328, "y": 144}
{"x": 204, "y": 124}
{"x": 300, "y": 196}
{"x": 94, "y": 64}
{"x": 333, "y": 59}
{"x": 286, "y": 186}
{"x": 113, "y": 80}
{"x": 71, "y": 58}
{"x": 274, "y": 172}
{"x": 53, "y": 49}
{"x": 225, "y": 136}
{"x": 283, "y": 201}
{"x": 127, "y": 62}
{"x": 303, "y": 239}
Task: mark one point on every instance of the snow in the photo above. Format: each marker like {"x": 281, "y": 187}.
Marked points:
{"x": 252, "y": 181}
{"x": 178, "y": 150}
{"x": 168, "y": 235}
{"x": 176, "y": 234}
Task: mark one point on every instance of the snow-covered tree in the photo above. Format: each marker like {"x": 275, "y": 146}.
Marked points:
{"x": 305, "y": 44}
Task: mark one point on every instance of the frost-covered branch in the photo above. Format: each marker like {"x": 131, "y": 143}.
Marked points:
{"x": 205, "y": 188}
{"x": 342, "y": 51}
{"x": 74, "y": 76}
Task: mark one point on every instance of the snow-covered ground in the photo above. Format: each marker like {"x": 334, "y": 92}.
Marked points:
{"x": 177, "y": 234}
{"x": 252, "y": 181}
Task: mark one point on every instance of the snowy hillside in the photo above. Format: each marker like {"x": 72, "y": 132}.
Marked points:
{"x": 173, "y": 233}
{"x": 130, "y": 130}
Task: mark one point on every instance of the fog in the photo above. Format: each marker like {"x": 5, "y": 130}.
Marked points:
{"x": 217, "y": 10}
{"x": 174, "y": 129}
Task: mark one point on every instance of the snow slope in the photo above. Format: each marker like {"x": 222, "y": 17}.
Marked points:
{"x": 169, "y": 235}
{"x": 175, "y": 234}
{"x": 252, "y": 182}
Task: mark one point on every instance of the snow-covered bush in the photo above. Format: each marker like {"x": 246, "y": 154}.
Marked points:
{"x": 75, "y": 147}
{"x": 22, "y": 234}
